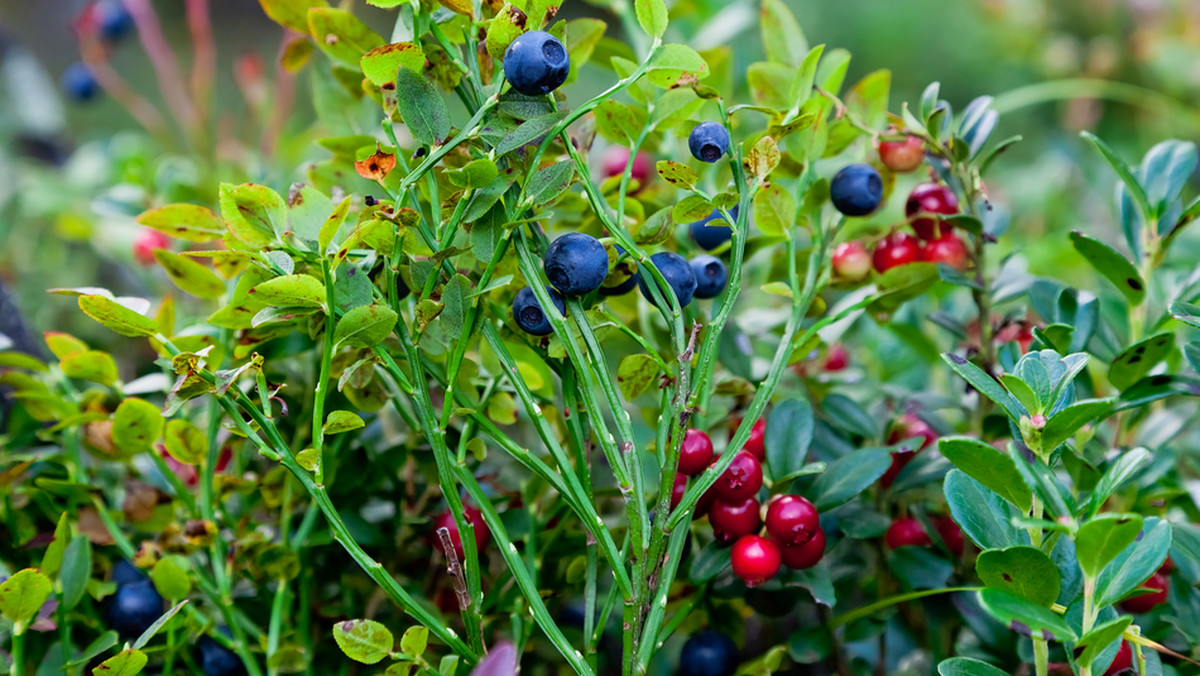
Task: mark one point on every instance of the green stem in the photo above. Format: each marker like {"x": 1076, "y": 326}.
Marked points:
{"x": 18, "y": 653}
{"x": 322, "y": 388}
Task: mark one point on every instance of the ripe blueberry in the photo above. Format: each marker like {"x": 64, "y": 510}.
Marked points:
{"x": 709, "y": 237}
{"x": 755, "y": 559}
{"x": 902, "y": 156}
{"x": 529, "y": 314}
{"x": 677, "y": 272}
{"x": 695, "y": 452}
{"x": 133, "y": 608}
{"x": 807, "y": 555}
{"x": 79, "y": 83}
{"x": 576, "y": 264}
{"x": 114, "y": 19}
{"x": 741, "y": 480}
{"x": 856, "y": 190}
{"x": 948, "y": 249}
{"x": 929, "y": 199}
{"x": 536, "y": 63}
{"x": 907, "y": 532}
{"x": 733, "y": 520}
{"x": 708, "y": 653}
{"x": 124, "y": 573}
{"x": 446, "y": 520}
{"x": 709, "y": 141}
{"x": 711, "y": 276}
{"x": 217, "y": 660}
{"x": 792, "y": 520}
{"x": 616, "y": 159}
{"x": 896, "y": 249}
{"x": 1147, "y": 601}
{"x": 622, "y": 278}
{"x": 851, "y": 261}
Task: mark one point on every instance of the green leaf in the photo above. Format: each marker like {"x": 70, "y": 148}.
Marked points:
{"x": 548, "y": 183}
{"x": 1122, "y": 469}
{"x": 673, "y": 63}
{"x": 455, "y": 298}
{"x": 848, "y": 476}
{"x": 90, "y": 365}
{"x": 763, "y": 158}
{"x": 365, "y": 641}
{"x": 635, "y": 375}
{"x": 170, "y": 577}
{"x": 185, "y": 442}
{"x": 22, "y": 596}
{"x": 1101, "y": 539}
{"x": 968, "y": 666}
{"x": 53, "y": 557}
{"x": 508, "y": 24}
{"x": 381, "y": 64}
{"x": 365, "y": 326}
{"x": 76, "y": 571}
{"x": 342, "y": 36}
{"x": 124, "y": 663}
{"x": 993, "y": 468}
{"x": 190, "y": 275}
{"x": 1132, "y": 186}
{"x": 1064, "y": 424}
{"x": 1024, "y": 394}
{"x": 1110, "y": 263}
{"x": 530, "y": 131}
{"x": 651, "y": 16}
{"x": 332, "y": 225}
{"x": 189, "y": 222}
{"x": 1137, "y": 360}
{"x": 157, "y": 625}
{"x": 291, "y": 13}
{"x": 1022, "y": 571}
{"x": 255, "y": 214}
{"x": 1131, "y": 567}
{"x": 1153, "y": 388}
{"x": 1102, "y": 636}
{"x": 986, "y": 385}
{"x": 103, "y": 643}
{"x": 117, "y": 317}
{"x": 774, "y": 210}
{"x": 984, "y": 516}
{"x": 678, "y": 175}
{"x": 136, "y": 425}
{"x": 788, "y": 435}
{"x": 691, "y": 208}
{"x": 782, "y": 37}
{"x": 708, "y": 562}
{"x": 1024, "y": 617}
{"x": 422, "y": 107}
{"x": 414, "y": 641}
{"x": 619, "y": 122}
{"x": 291, "y": 291}
{"x": 342, "y": 421}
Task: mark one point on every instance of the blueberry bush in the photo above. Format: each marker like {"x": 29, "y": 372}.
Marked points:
{"x": 655, "y": 381}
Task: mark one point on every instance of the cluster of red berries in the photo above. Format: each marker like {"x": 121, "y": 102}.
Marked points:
{"x": 910, "y": 532}
{"x": 794, "y": 534}
{"x": 908, "y": 426}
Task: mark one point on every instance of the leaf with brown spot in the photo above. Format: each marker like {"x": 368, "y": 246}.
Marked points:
{"x": 377, "y": 166}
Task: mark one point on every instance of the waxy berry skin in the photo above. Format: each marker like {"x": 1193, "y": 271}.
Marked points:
{"x": 678, "y": 273}
{"x": 536, "y": 63}
{"x": 678, "y": 489}
{"x": 215, "y": 659}
{"x": 124, "y": 573}
{"x": 733, "y": 520}
{"x": 898, "y": 248}
{"x": 907, "y": 532}
{"x": 709, "y": 141}
{"x": 1144, "y": 603}
{"x": 708, "y": 653}
{"x": 709, "y": 237}
{"x": 792, "y": 520}
{"x": 711, "y": 276}
{"x": 807, "y": 555}
{"x": 837, "y": 358}
{"x": 133, "y": 608}
{"x": 114, "y": 19}
{"x": 756, "y": 444}
{"x": 951, "y": 534}
{"x": 576, "y": 264}
{"x": 742, "y": 480}
{"x": 948, "y": 249}
{"x": 695, "y": 452}
{"x": 904, "y": 156}
{"x": 446, "y": 520}
{"x": 79, "y": 83}
{"x": 528, "y": 313}
{"x": 932, "y": 200}
{"x": 851, "y": 261}
{"x": 856, "y": 190}
{"x": 755, "y": 559}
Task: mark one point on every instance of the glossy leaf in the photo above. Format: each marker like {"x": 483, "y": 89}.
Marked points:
{"x": 1136, "y": 563}
{"x": 1137, "y": 360}
{"x": 422, "y": 107}
{"x": 1025, "y": 572}
{"x": 986, "y": 385}
{"x": 365, "y": 641}
{"x": 993, "y": 468}
{"x": 848, "y": 476}
{"x": 968, "y": 666}
{"x": 1024, "y": 617}
{"x": 984, "y": 516}
{"x": 76, "y": 571}
{"x": 788, "y": 435}
{"x": 117, "y": 317}
{"x": 1067, "y": 422}
{"x": 1102, "y": 538}
{"x": 1115, "y": 267}
{"x": 1121, "y": 470}
{"x": 22, "y": 595}
{"x": 1100, "y": 637}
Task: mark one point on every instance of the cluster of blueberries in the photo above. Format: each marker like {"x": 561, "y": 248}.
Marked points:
{"x": 111, "y": 21}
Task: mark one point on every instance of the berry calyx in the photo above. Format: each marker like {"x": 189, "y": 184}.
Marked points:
{"x": 708, "y": 653}
{"x": 711, "y": 276}
{"x": 1147, "y": 601}
{"x": 742, "y": 480}
{"x": 925, "y": 203}
{"x": 907, "y": 532}
{"x": 755, "y": 559}
{"x": 904, "y": 156}
{"x": 708, "y": 141}
{"x": 807, "y": 555}
{"x": 576, "y": 264}
{"x": 446, "y": 520}
{"x": 530, "y": 316}
{"x": 851, "y": 261}
{"x": 792, "y": 520}
{"x": 678, "y": 274}
{"x": 712, "y": 231}
{"x": 898, "y": 248}
{"x": 856, "y": 190}
{"x": 733, "y": 520}
{"x": 695, "y": 452}
{"x": 948, "y": 249}
{"x": 616, "y": 159}
{"x": 755, "y": 444}
{"x": 536, "y": 63}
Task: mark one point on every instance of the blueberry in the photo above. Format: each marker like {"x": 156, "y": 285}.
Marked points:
{"x": 79, "y": 83}
{"x": 622, "y": 279}
{"x": 529, "y": 315}
{"x": 856, "y": 190}
{"x": 708, "y": 653}
{"x": 536, "y": 63}
{"x": 126, "y": 573}
{"x": 576, "y": 264}
{"x": 711, "y": 276}
{"x": 709, "y": 141}
{"x": 114, "y": 19}
{"x": 677, "y": 272}
{"x": 710, "y": 237}
{"x": 217, "y": 660}
{"x": 134, "y": 608}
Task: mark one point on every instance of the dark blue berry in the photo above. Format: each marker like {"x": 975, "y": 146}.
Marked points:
{"x": 134, "y": 608}
{"x": 114, "y": 19}
{"x": 79, "y": 83}
{"x": 708, "y": 653}
{"x": 709, "y": 141}
{"x": 711, "y": 276}
{"x": 576, "y": 264}
{"x": 124, "y": 573}
{"x": 536, "y": 63}
{"x": 217, "y": 660}
{"x": 856, "y": 190}
{"x": 622, "y": 279}
{"x": 677, "y": 272}
{"x": 528, "y": 312}
{"x": 710, "y": 237}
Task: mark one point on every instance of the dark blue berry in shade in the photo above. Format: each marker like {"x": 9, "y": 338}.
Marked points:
{"x": 114, "y": 19}
{"x": 133, "y": 608}
{"x": 622, "y": 278}
{"x": 536, "y": 63}
{"x": 215, "y": 659}
{"x": 856, "y": 190}
{"x": 79, "y": 83}
{"x": 711, "y": 276}
{"x": 708, "y": 653}
{"x": 529, "y": 315}
{"x": 124, "y": 573}
{"x": 676, "y": 271}
{"x": 709, "y": 141}
{"x": 576, "y": 264}
{"x": 710, "y": 237}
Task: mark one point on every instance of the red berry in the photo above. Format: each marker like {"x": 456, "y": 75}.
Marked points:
{"x": 929, "y": 198}
{"x": 755, "y": 559}
{"x": 147, "y": 243}
{"x": 742, "y": 480}
{"x": 186, "y": 473}
{"x": 1146, "y": 602}
{"x": 755, "y": 443}
{"x": 792, "y": 520}
{"x": 950, "y": 533}
{"x": 948, "y": 249}
{"x": 617, "y": 157}
{"x": 678, "y": 490}
{"x": 1122, "y": 662}
{"x": 223, "y": 458}
{"x": 851, "y": 261}
{"x": 900, "y": 460}
{"x": 902, "y": 156}
{"x": 1167, "y": 567}
{"x": 707, "y": 498}
{"x": 909, "y": 426}
{"x": 446, "y": 520}
{"x": 732, "y": 521}
{"x": 907, "y": 532}
{"x": 898, "y": 248}
{"x": 806, "y": 555}
{"x": 1059, "y": 669}
{"x": 837, "y": 358}
{"x": 695, "y": 453}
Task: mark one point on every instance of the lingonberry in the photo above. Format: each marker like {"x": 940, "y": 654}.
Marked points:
{"x": 925, "y": 203}
{"x": 851, "y": 261}
{"x": 133, "y": 608}
{"x": 536, "y": 63}
{"x": 856, "y": 190}
{"x": 909, "y": 426}
{"x": 678, "y": 489}
{"x": 742, "y": 480}
{"x": 622, "y": 277}
{"x": 616, "y": 158}
{"x": 148, "y": 241}
{"x": 708, "y": 653}
{"x": 446, "y": 520}
{"x": 576, "y": 264}
{"x": 1145, "y": 602}
{"x": 950, "y": 533}
{"x": 755, "y": 444}
{"x": 528, "y": 312}
{"x": 907, "y": 532}
{"x": 900, "y": 460}
{"x": 1123, "y": 662}
{"x": 837, "y": 358}
{"x": 215, "y": 659}
{"x": 79, "y": 83}
{"x": 792, "y": 520}
{"x": 733, "y": 520}
{"x": 948, "y": 249}
{"x": 904, "y": 156}
{"x": 709, "y": 141}
{"x": 707, "y": 499}
{"x": 679, "y": 275}
{"x": 898, "y": 248}
{"x": 695, "y": 452}
{"x": 755, "y": 559}
{"x": 709, "y": 237}
{"x": 807, "y": 555}
{"x": 711, "y": 276}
